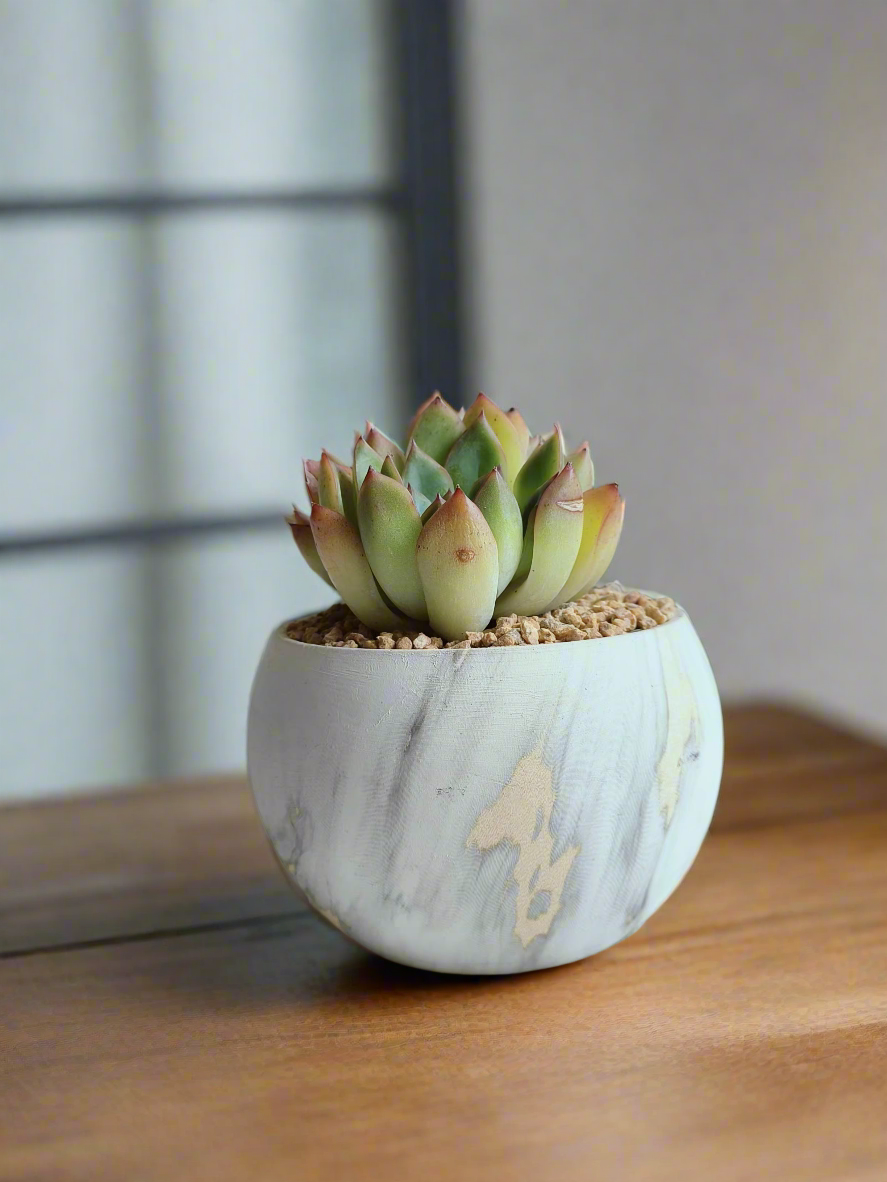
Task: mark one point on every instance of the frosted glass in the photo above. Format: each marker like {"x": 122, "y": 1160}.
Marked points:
{"x": 270, "y": 93}
{"x": 220, "y": 597}
{"x": 278, "y": 335}
{"x": 72, "y": 95}
{"x": 177, "y": 364}
{"x": 74, "y": 444}
{"x": 113, "y": 94}
{"x": 75, "y": 704}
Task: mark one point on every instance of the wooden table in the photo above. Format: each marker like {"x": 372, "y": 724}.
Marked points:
{"x": 169, "y": 1011}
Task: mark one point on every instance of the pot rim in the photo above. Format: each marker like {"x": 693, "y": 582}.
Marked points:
{"x": 680, "y": 614}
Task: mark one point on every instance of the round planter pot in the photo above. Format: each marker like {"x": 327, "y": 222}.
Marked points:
{"x": 487, "y": 810}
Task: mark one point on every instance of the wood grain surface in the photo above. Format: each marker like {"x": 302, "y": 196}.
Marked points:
{"x": 169, "y": 1011}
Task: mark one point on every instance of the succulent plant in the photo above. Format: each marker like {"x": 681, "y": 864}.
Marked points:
{"x": 475, "y": 518}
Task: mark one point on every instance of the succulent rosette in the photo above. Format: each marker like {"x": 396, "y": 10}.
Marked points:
{"x": 472, "y": 519}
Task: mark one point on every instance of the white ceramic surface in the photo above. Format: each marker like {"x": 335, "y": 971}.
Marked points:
{"x": 487, "y": 810}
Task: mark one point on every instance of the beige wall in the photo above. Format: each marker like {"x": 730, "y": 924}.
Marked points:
{"x": 678, "y": 247}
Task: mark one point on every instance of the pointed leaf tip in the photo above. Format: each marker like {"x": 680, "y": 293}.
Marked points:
{"x": 505, "y": 431}
{"x": 541, "y": 466}
{"x": 523, "y": 431}
{"x": 365, "y": 457}
{"x": 389, "y": 468}
{"x": 425, "y": 476}
{"x": 383, "y": 446}
{"x": 496, "y": 501}
{"x": 571, "y": 499}
{"x": 581, "y": 461}
{"x": 436, "y": 399}
{"x": 458, "y": 566}
{"x": 300, "y": 528}
{"x": 603, "y": 513}
{"x": 435, "y": 427}
{"x": 310, "y": 471}
{"x": 557, "y": 532}
{"x": 475, "y": 453}
{"x": 389, "y": 529}
{"x": 329, "y": 486}
{"x": 341, "y": 552}
{"x": 432, "y": 508}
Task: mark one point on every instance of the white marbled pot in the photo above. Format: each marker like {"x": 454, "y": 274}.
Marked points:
{"x": 487, "y": 810}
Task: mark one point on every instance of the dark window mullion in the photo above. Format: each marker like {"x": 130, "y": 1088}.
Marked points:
{"x": 427, "y": 201}
{"x": 150, "y": 203}
{"x": 427, "y": 34}
{"x": 140, "y": 532}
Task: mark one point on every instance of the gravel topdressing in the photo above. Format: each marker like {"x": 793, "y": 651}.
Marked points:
{"x": 608, "y": 610}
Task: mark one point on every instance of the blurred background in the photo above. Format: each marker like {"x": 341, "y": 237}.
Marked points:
{"x": 231, "y": 230}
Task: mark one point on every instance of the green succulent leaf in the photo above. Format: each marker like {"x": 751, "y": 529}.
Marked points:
{"x": 583, "y": 466}
{"x": 523, "y": 431}
{"x": 541, "y": 466}
{"x": 602, "y": 515}
{"x": 504, "y": 430}
{"x": 496, "y": 501}
{"x": 425, "y": 476}
{"x": 557, "y": 533}
{"x": 608, "y": 542}
{"x": 475, "y": 453}
{"x": 435, "y": 428}
{"x": 365, "y": 457}
{"x": 478, "y": 516}
{"x": 340, "y": 550}
{"x": 526, "y": 555}
{"x": 459, "y": 567}
{"x": 434, "y": 398}
{"x": 301, "y": 530}
{"x": 432, "y": 508}
{"x": 346, "y": 486}
{"x": 389, "y": 529}
{"x": 383, "y": 446}
{"x": 329, "y": 485}
{"x": 311, "y": 471}
{"x": 389, "y": 468}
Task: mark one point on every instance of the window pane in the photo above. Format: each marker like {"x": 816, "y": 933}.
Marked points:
{"x": 270, "y": 92}
{"x": 179, "y": 363}
{"x": 278, "y": 335}
{"x": 71, "y": 94}
{"x": 74, "y": 445}
{"x": 275, "y": 335}
{"x": 75, "y": 700}
{"x": 131, "y": 663}
{"x": 220, "y": 599}
{"x": 200, "y": 94}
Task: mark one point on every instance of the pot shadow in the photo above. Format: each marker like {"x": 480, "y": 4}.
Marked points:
{"x": 285, "y": 964}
